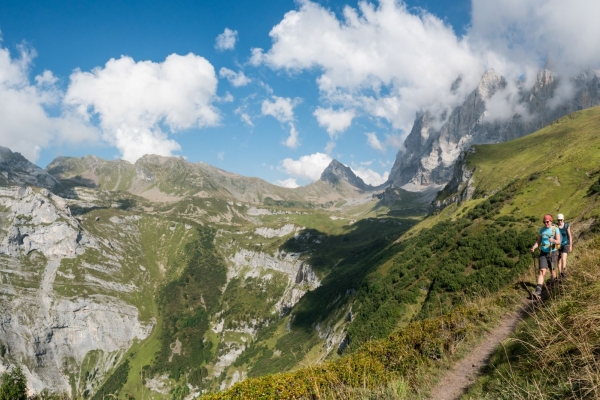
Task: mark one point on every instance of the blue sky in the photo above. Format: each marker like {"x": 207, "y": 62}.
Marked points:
{"x": 273, "y": 89}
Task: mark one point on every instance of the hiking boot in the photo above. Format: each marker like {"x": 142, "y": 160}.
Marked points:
{"x": 564, "y": 276}
{"x": 538, "y": 291}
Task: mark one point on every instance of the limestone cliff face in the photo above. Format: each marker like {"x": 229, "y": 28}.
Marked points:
{"x": 46, "y": 332}
{"x": 431, "y": 152}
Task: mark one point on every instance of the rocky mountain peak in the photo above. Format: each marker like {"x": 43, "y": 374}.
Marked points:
{"x": 490, "y": 82}
{"x": 336, "y": 172}
{"x": 432, "y": 151}
{"x": 17, "y": 170}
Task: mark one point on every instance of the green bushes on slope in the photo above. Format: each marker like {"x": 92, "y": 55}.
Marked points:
{"x": 454, "y": 258}
{"x": 185, "y": 304}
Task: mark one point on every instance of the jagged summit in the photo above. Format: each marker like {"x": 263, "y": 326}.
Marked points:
{"x": 432, "y": 150}
{"x": 17, "y": 170}
{"x": 336, "y": 172}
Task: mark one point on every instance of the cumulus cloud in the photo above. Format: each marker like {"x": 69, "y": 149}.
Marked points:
{"x": 288, "y": 183}
{"x": 226, "y": 40}
{"x": 414, "y": 57}
{"x": 369, "y": 176}
{"x": 237, "y": 79}
{"x": 292, "y": 141}
{"x": 133, "y": 101}
{"x": 334, "y": 122}
{"x": 374, "y": 142}
{"x": 26, "y": 125}
{"x": 281, "y": 108}
{"x": 306, "y": 167}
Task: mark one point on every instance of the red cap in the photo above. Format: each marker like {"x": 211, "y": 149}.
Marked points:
{"x": 548, "y": 217}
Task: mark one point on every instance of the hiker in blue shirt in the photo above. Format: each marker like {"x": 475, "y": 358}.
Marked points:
{"x": 566, "y": 244}
{"x": 547, "y": 239}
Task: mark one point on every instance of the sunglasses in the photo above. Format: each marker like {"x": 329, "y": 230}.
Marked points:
{"x": 547, "y": 222}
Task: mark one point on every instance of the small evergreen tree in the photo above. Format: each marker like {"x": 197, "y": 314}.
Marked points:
{"x": 13, "y": 385}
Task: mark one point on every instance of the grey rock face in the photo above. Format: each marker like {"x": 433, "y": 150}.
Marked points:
{"x": 336, "y": 172}
{"x": 43, "y": 222}
{"x": 48, "y": 334}
{"x": 431, "y": 152}
{"x": 460, "y": 186}
{"x": 17, "y": 170}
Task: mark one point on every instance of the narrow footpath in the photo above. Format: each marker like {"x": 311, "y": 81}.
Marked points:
{"x": 456, "y": 381}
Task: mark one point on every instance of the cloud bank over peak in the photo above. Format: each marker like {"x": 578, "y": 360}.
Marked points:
{"x": 390, "y": 63}
{"x": 381, "y": 58}
{"x": 136, "y": 102}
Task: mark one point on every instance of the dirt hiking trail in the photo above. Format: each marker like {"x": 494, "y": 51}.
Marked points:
{"x": 464, "y": 373}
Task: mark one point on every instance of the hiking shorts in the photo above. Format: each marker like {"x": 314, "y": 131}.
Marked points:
{"x": 564, "y": 249}
{"x": 548, "y": 260}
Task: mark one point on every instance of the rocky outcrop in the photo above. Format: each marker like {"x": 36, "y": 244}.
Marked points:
{"x": 17, "y": 170}
{"x": 460, "y": 188}
{"x": 436, "y": 141}
{"x": 40, "y": 221}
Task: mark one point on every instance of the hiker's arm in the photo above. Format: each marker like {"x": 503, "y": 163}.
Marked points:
{"x": 570, "y": 238}
{"x": 537, "y": 243}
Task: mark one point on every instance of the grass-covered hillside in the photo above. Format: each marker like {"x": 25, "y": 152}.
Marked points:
{"x": 416, "y": 299}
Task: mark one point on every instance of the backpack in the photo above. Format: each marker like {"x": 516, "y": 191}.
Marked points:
{"x": 553, "y": 245}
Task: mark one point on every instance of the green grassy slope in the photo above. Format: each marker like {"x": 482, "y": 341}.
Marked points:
{"x": 465, "y": 251}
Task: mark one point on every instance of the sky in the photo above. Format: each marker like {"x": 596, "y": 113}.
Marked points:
{"x": 274, "y": 89}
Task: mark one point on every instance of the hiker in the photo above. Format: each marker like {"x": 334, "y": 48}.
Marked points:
{"x": 566, "y": 245}
{"x": 547, "y": 240}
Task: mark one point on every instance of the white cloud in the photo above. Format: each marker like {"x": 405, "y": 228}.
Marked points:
{"x": 292, "y": 141}
{"x": 306, "y": 167}
{"x": 381, "y": 59}
{"x": 132, "y": 100}
{"x": 334, "y": 121}
{"x": 281, "y": 108}
{"x": 394, "y": 141}
{"x": 415, "y": 57}
{"x": 288, "y": 183}
{"x": 369, "y": 176}
{"x": 237, "y": 79}
{"x": 329, "y": 147}
{"x": 374, "y": 142}
{"x": 529, "y": 31}
{"x": 226, "y": 40}
{"x": 25, "y": 124}
{"x": 244, "y": 116}
{"x": 221, "y": 155}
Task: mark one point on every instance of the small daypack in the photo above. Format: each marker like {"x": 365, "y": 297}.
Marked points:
{"x": 555, "y": 245}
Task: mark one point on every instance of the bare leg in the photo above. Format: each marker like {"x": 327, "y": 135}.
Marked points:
{"x": 541, "y": 274}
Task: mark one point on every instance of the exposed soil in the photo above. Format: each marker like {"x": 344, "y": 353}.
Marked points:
{"x": 456, "y": 382}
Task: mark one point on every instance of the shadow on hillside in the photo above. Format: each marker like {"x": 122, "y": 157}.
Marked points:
{"x": 78, "y": 181}
{"x": 342, "y": 262}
